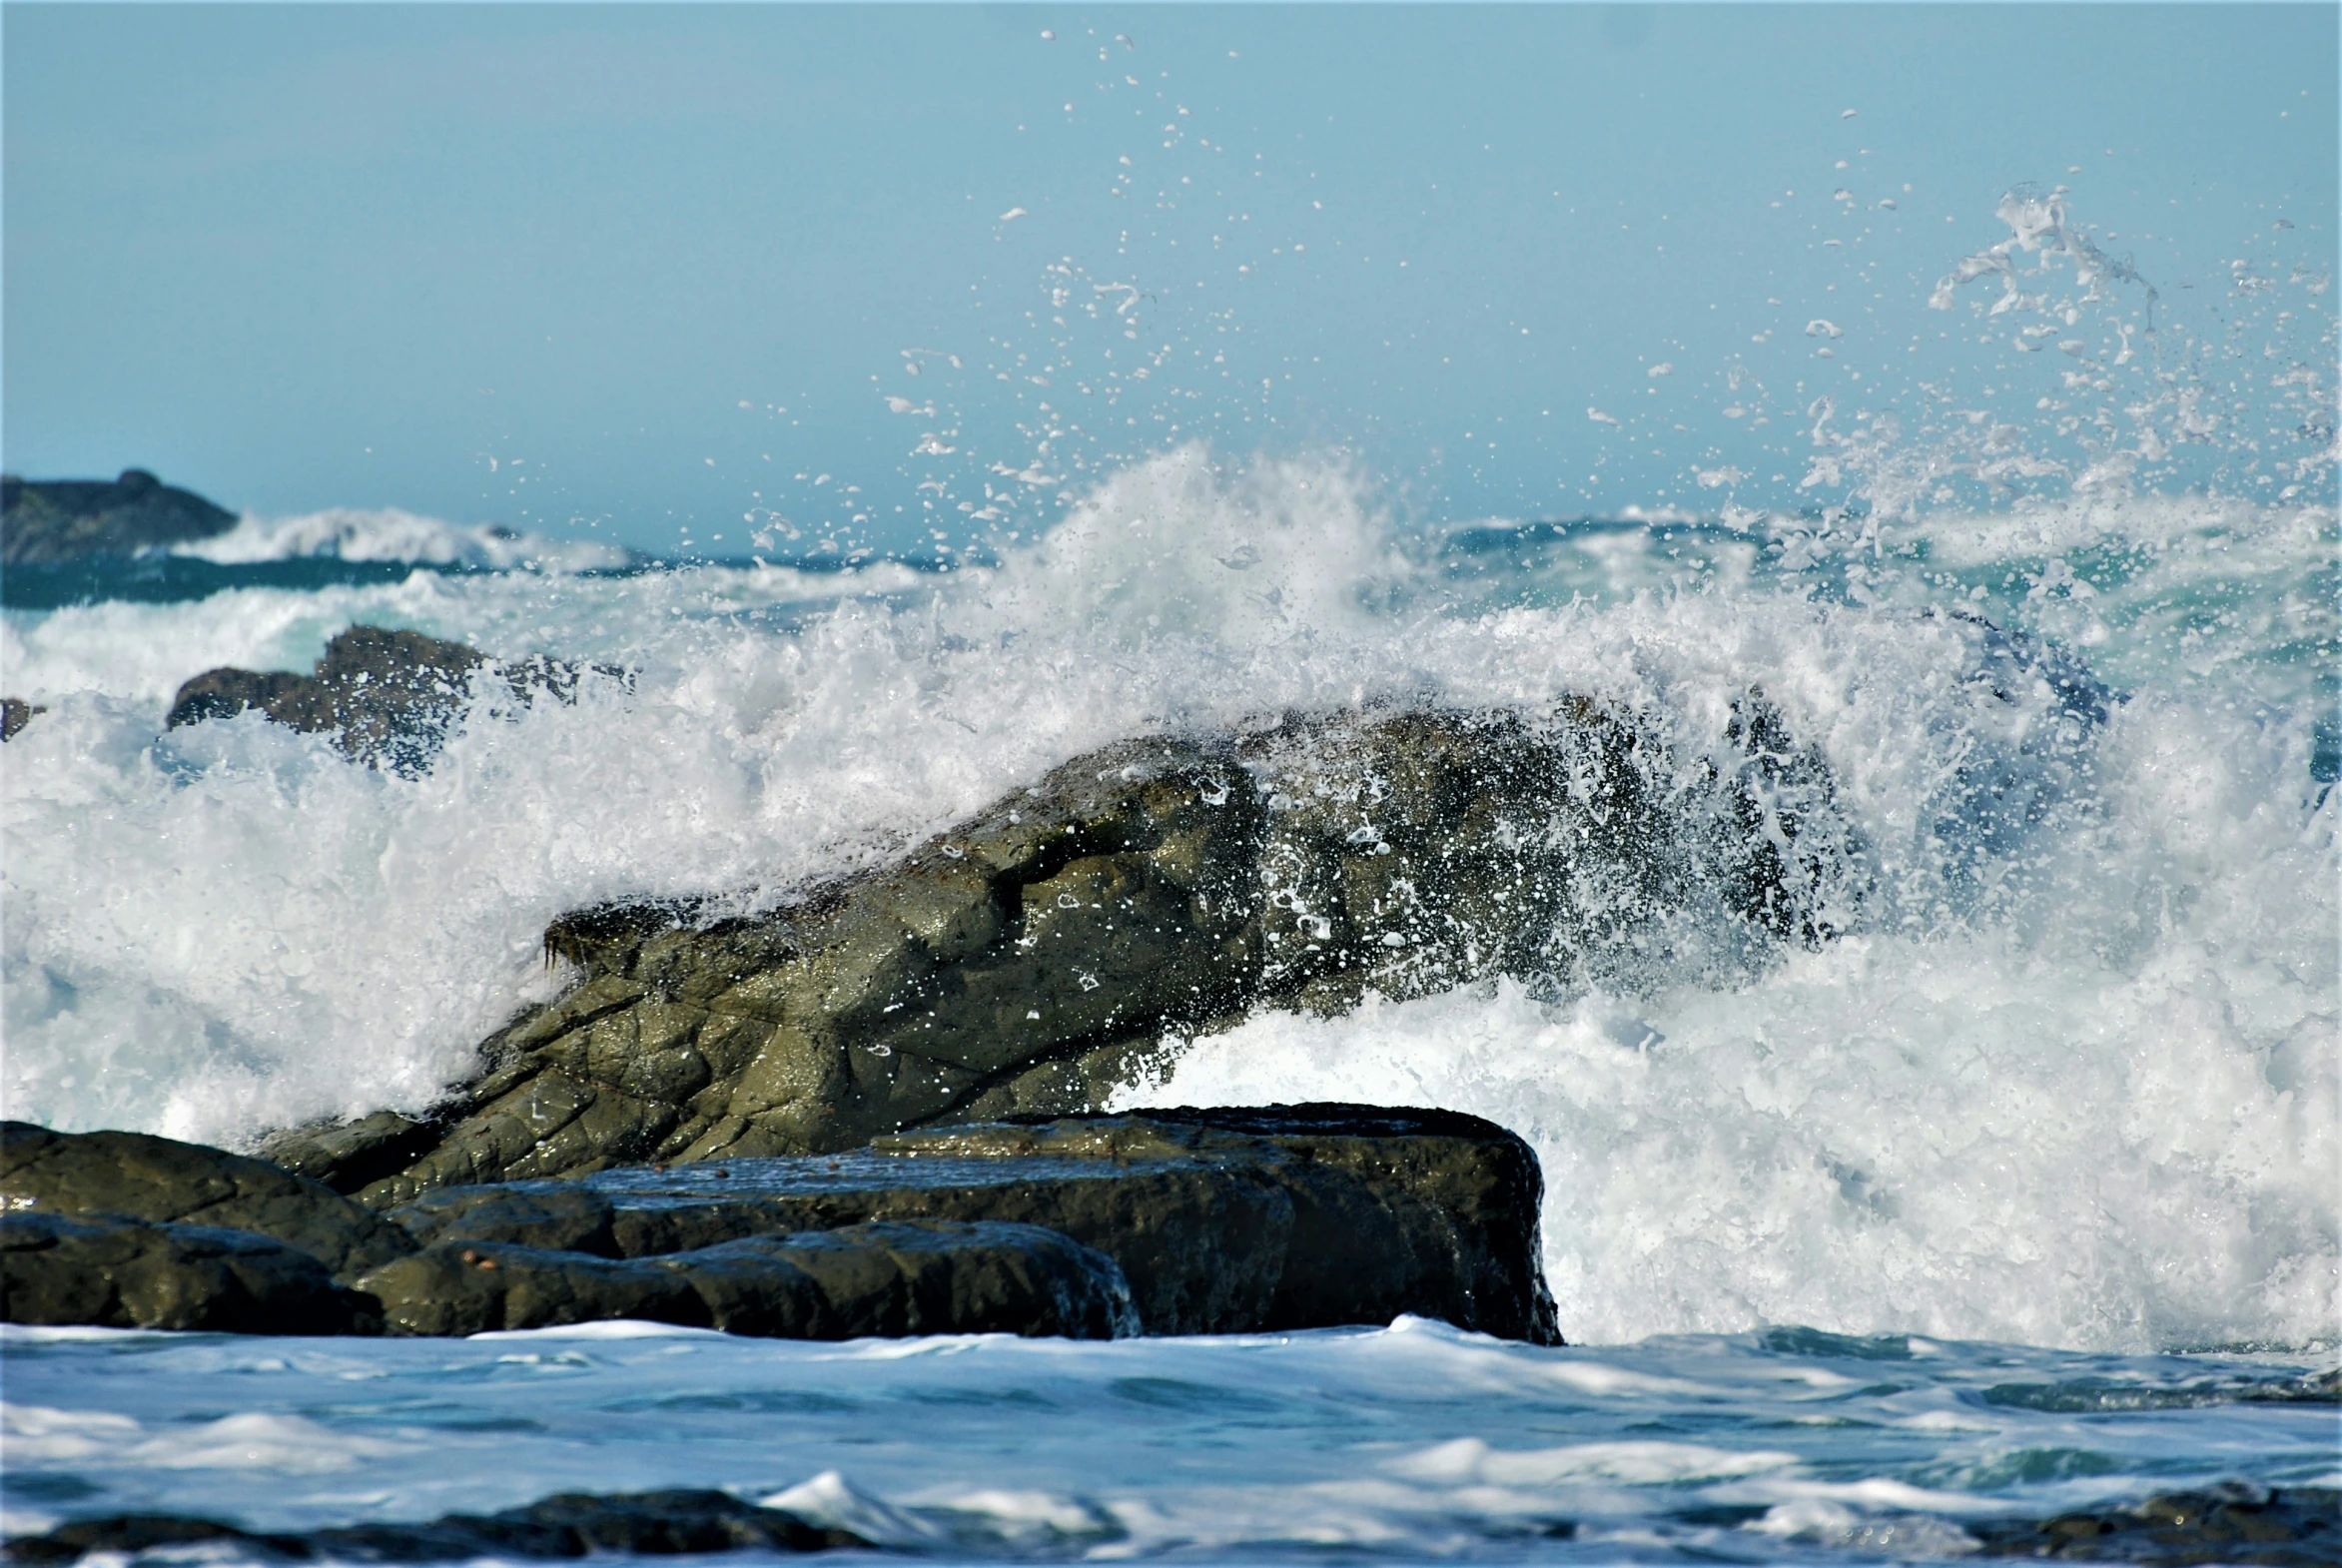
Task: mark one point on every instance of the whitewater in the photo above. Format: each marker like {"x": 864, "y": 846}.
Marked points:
{"x": 2020, "y": 1189}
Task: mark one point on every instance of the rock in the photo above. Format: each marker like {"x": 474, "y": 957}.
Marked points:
{"x": 15, "y": 714}
{"x": 572, "y": 1524}
{"x": 139, "y": 1177}
{"x": 2234, "y": 1522}
{"x": 1175, "y": 1222}
{"x": 1222, "y": 1221}
{"x": 346, "y": 1156}
{"x": 1033, "y": 959}
{"x": 923, "y": 1277}
{"x": 58, "y": 519}
{"x": 126, "y": 1273}
{"x": 452, "y": 1289}
{"x": 389, "y": 697}
{"x": 559, "y": 1217}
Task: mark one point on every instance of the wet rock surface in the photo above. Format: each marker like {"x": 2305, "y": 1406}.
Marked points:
{"x": 1177, "y": 1221}
{"x": 126, "y": 1274}
{"x": 2292, "y": 1527}
{"x": 137, "y": 1177}
{"x": 1222, "y": 1221}
{"x": 890, "y": 1280}
{"x": 571, "y": 1524}
{"x": 387, "y": 697}
{"x": 15, "y": 714}
{"x": 1034, "y": 959}
{"x": 61, "y": 519}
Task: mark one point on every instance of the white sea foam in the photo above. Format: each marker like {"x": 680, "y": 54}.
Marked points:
{"x": 2069, "y": 1079}
{"x": 389, "y": 534}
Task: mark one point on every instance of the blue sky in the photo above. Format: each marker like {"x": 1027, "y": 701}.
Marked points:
{"x": 636, "y": 269}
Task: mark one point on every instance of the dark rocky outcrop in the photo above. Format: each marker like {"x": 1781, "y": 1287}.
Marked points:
{"x": 387, "y": 697}
{"x": 15, "y": 714}
{"x": 60, "y": 519}
{"x": 903, "y": 1277}
{"x": 2234, "y": 1522}
{"x": 1168, "y": 1222}
{"x": 126, "y": 1273}
{"x": 572, "y": 1524}
{"x": 137, "y": 1177}
{"x": 1222, "y": 1221}
{"x": 1031, "y": 960}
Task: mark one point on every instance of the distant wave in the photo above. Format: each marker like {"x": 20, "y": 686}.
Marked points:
{"x": 346, "y": 533}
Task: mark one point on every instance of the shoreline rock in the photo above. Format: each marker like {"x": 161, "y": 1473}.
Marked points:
{"x": 1179, "y": 1221}
{"x": 1031, "y": 960}
{"x": 124, "y": 1274}
{"x": 137, "y": 1177}
{"x": 388, "y": 698}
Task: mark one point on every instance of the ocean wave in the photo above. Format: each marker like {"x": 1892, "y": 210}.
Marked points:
{"x": 353, "y": 534}
{"x": 2070, "y": 1078}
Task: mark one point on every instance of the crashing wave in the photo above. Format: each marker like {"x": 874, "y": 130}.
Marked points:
{"x": 351, "y": 534}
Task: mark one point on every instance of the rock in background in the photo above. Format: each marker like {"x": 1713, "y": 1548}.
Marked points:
{"x": 61, "y": 519}
{"x": 1172, "y": 1223}
{"x": 388, "y": 698}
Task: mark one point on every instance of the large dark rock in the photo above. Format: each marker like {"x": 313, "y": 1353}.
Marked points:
{"x": 347, "y": 1156}
{"x": 139, "y": 1177}
{"x": 2234, "y": 1522}
{"x": 15, "y": 714}
{"x": 1173, "y": 1222}
{"x": 572, "y": 1524}
{"x": 387, "y": 697}
{"x": 58, "y": 519}
{"x": 913, "y": 1277}
{"x": 1031, "y": 960}
{"x": 126, "y": 1273}
{"x": 1222, "y": 1221}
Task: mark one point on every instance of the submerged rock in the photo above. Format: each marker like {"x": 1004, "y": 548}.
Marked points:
{"x": 571, "y": 1524}
{"x": 60, "y": 519}
{"x": 2234, "y": 1522}
{"x": 134, "y": 1175}
{"x": 126, "y": 1273}
{"x": 1033, "y": 960}
{"x": 387, "y": 697}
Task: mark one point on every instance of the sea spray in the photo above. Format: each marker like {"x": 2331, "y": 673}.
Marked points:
{"x": 2093, "y": 954}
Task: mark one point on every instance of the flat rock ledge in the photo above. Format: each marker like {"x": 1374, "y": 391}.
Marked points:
{"x": 1036, "y": 958}
{"x": 571, "y": 1524}
{"x": 1175, "y": 1222}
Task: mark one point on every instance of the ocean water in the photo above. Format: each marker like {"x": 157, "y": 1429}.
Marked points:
{"x": 1990, "y": 1203}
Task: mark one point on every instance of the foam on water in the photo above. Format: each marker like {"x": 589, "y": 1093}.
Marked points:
{"x": 2070, "y": 1078}
{"x": 351, "y": 534}
{"x": 1411, "y": 1442}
